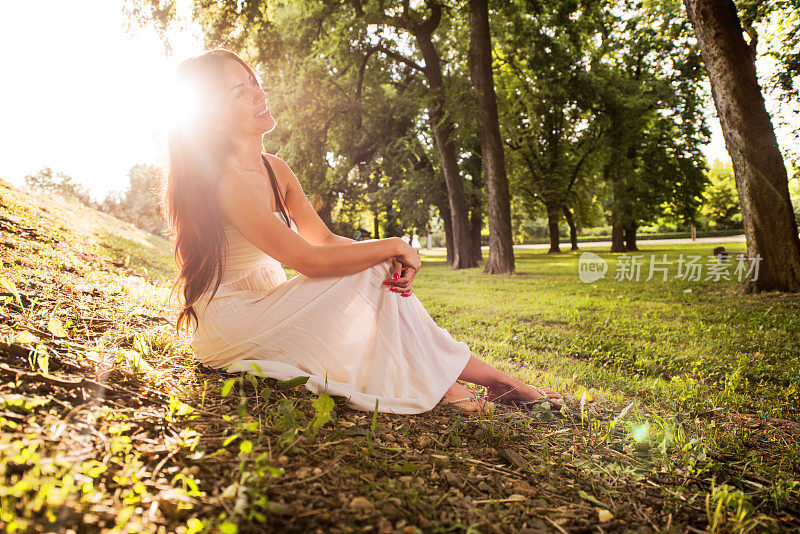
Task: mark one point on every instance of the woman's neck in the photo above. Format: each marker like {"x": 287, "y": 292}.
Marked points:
{"x": 246, "y": 152}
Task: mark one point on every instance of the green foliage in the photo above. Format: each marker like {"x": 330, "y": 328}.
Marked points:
{"x": 794, "y": 192}
{"x": 322, "y": 413}
{"x": 140, "y": 203}
{"x": 58, "y": 183}
{"x": 729, "y": 510}
{"x": 721, "y": 208}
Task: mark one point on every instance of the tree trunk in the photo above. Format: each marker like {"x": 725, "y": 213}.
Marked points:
{"x": 442, "y": 128}
{"x": 617, "y": 237}
{"x": 376, "y": 226}
{"x": 498, "y": 202}
{"x": 475, "y": 170}
{"x": 476, "y": 222}
{"x": 629, "y": 233}
{"x": 553, "y": 216}
{"x": 444, "y": 211}
{"x": 573, "y": 230}
{"x": 769, "y": 223}
{"x": 617, "y": 222}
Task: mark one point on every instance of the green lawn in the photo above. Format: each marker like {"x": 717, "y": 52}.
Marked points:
{"x": 695, "y": 354}
{"x": 672, "y": 345}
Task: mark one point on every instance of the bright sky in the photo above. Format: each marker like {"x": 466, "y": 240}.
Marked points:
{"x": 83, "y": 97}
{"x": 78, "y": 93}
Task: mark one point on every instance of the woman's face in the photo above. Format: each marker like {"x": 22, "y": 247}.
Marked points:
{"x": 246, "y": 110}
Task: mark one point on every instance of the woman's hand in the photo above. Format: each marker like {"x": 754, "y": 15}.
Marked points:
{"x": 402, "y": 278}
{"x": 408, "y": 256}
{"x": 405, "y": 267}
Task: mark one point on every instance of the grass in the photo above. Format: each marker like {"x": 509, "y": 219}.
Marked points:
{"x": 678, "y": 344}
{"x": 681, "y": 404}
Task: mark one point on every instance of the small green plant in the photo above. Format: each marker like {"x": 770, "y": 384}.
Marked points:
{"x": 730, "y": 510}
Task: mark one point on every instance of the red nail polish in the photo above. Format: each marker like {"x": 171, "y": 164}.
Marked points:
{"x": 396, "y": 276}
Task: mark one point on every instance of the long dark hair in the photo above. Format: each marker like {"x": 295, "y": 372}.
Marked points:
{"x": 198, "y": 154}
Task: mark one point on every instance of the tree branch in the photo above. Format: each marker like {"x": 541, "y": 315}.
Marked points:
{"x": 401, "y": 58}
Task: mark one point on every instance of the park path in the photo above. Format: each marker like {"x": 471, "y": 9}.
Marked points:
{"x": 639, "y": 242}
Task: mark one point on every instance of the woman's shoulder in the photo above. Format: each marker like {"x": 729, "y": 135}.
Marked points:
{"x": 277, "y": 163}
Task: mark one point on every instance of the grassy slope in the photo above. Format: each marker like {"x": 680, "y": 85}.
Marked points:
{"x": 113, "y": 425}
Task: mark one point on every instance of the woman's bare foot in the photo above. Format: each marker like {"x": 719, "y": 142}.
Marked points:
{"x": 458, "y": 396}
{"x": 512, "y": 391}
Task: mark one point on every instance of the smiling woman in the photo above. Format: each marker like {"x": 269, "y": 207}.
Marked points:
{"x": 349, "y": 321}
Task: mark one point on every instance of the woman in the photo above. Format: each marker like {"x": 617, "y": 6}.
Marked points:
{"x": 349, "y": 321}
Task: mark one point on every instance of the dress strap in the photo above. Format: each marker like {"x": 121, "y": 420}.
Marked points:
{"x": 275, "y": 190}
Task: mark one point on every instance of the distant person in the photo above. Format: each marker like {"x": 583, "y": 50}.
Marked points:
{"x": 238, "y": 214}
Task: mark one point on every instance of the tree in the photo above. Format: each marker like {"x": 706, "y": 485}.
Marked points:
{"x": 546, "y": 62}
{"x": 139, "y": 204}
{"x": 761, "y": 177}
{"x": 58, "y": 183}
{"x": 422, "y": 27}
{"x": 721, "y": 207}
{"x": 781, "y": 19}
{"x": 501, "y": 246}
{"x": 651, "y": 101}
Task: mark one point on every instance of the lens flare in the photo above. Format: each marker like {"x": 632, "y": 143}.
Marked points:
{"x": 640, "y": 433}
{"x": 184, "y": 104}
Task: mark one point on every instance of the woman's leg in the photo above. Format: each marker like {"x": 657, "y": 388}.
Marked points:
{"x": 502, "y": 387}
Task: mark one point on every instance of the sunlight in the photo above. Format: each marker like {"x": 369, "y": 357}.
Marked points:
{"x": 641, "y": 432}
{"x": 183, "y": 104}
{"x": 99, "y": 92}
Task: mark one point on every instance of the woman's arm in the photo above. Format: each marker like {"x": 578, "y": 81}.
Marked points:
{"x": 333, "y": 238}
{"x": 243, "y": 206}
{"x": 309, "y": 224}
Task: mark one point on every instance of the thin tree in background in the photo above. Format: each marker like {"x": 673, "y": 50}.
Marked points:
{"x": 441, "y": 123}
{"x": 761, "y": 179}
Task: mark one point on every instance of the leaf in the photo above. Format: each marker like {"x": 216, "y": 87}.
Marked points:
{"x": 8, "y": 284}
{"x": 405, "y": 467}
{"x": 25, "y": 337}
{"x": 194, "y": 526}
{"x": 229, "y": 440}
{"x": 228, "y": 528}
{"x": 585, "y": 496}
{"x": 227, "y": 387}
{"x": 21, "y": 404}
{"x": 604, "y": 516}
{"x": 292, "y": 383}
{"x": 274, "y": 471}
{"x": 56, "y": 327}
{"x": 322, "y": 408}
{"x": 177, "y": 407}
{"x": 134, "y": 358}
{"x": 374, "y": 424}
{"x": 622, "y": 414}
{"x": 245, "y": 447}
{"x": 250, "y": 426}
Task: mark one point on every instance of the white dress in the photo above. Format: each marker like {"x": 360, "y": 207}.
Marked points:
{"x": 350, "y": 335}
